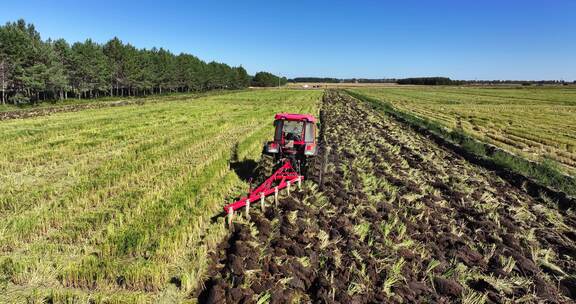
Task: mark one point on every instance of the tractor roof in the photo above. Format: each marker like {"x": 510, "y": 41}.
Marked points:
{"x": 299, "y": 117}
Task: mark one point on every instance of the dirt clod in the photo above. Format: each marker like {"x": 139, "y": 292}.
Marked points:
{"x": 447, "y": 287}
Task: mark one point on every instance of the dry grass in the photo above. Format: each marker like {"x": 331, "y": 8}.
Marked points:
{"x": 114, "y": 204}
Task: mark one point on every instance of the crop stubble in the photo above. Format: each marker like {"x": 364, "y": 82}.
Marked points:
{"x": 113, "y": 205}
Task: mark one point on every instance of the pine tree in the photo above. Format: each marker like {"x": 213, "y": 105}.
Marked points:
{"x": 63, "y": 55}
{"x": 91, "y": 71}
{"x": 114, "y": 51}
{"x": 4, "y": 77}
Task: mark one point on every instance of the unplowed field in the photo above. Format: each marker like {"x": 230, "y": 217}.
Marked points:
{"x": 536, "y": 123}
{"x": 114, "y": 205}
{"x": 396, "y": 218}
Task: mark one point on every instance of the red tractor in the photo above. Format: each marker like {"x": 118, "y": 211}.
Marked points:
{"x": 284, "y": 159}
{"x": 294, "y": 139}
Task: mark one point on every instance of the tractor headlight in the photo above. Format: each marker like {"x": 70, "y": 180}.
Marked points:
{"x": 272, "y": 147}
{"x": 310, "y": 149}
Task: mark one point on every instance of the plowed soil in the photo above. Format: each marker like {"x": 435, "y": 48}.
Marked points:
{"x": 398, "y": 219}
{"x": 61, "y": 109}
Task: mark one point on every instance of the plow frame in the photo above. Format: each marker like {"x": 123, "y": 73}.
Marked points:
{"x": 282, "y": 178}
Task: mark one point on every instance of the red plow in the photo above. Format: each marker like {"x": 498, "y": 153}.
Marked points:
{"x": 284, "y": 177}
{"x": 294, "y": 143}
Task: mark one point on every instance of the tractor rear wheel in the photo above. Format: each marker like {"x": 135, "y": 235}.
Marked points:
{"x": 264, "y": 169}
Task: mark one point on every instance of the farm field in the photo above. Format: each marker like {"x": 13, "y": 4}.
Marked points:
{"x": 115, "y": 204}
{"x": 237, "y": 153}
{"x": 535, "y": 123}
{"x": 398, "y": 219}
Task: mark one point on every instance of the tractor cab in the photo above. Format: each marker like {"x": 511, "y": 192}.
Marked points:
{"x": 283, "y": 161}
{"x": 295, "y": 134}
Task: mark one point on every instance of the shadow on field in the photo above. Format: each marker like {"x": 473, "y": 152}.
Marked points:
{"x": 244, "y": 168}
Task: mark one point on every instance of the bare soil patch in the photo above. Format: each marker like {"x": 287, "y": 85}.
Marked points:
{"x": 60, "y": 109}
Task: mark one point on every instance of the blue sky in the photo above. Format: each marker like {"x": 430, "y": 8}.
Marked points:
{"x": 371, "y": 39}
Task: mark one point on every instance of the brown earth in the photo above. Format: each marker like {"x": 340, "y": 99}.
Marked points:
{"x": 49, "y": 110}
{"x": 399, "y": 219}
{"x": 60, "y": 109}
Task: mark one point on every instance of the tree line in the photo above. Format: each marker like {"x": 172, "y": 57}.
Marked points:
{"x": 265, "y": 79}
{"x": 32, "y": 69}
{"x": 521, "y": 82}
{"x": 414, "y": 80}
{"x": 448, "y": 81}
{"x": 342, "y": 80}
{"x": 429, "y": 81}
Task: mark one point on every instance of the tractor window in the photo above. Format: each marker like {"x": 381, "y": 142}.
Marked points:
{"x": 292, "y": 130}
{"x": 278, "y": 130}
{"x": 309, "y": 132}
